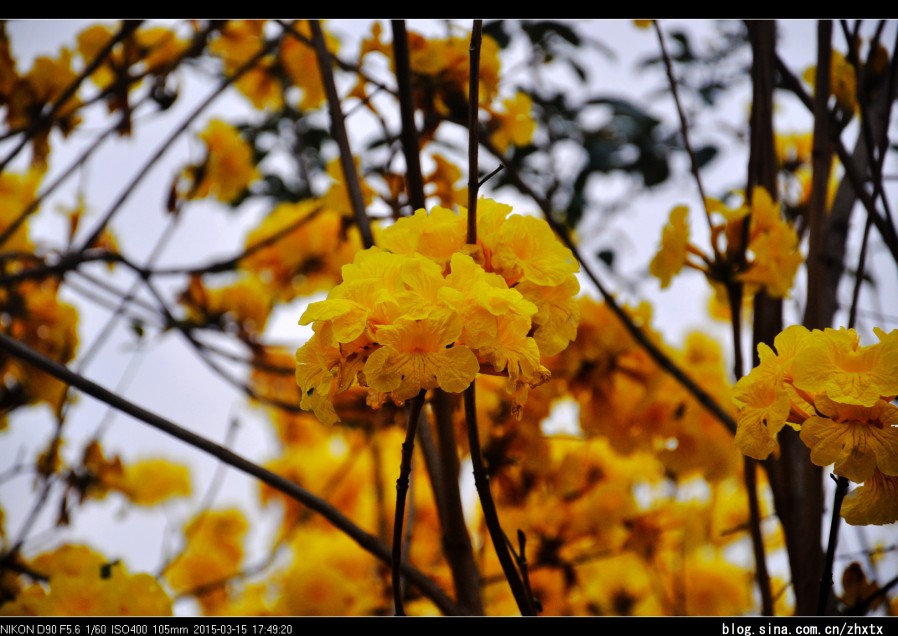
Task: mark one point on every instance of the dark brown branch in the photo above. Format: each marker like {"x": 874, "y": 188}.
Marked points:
{"x": 826, "y": 577}
{"x": 456, "y": 541}
{"x": 338, "y": 130}
{"x": 821, "y": 162}
{"x": 366, "y": 541}
{"x": 490, "y": 514}
{"x": 405, "y": 468}
{"x": 414, "y": 181}
{"x": 473, "y": 128}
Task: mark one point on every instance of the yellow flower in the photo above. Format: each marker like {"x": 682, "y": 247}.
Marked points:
{"x": 437, "y": 235}
{"x": 213, "y": 552}
{"x": 843, "y": 82}
{"x": 855, "y": 438}
{"x": 301, "y": 65}
{"x": 83, "y": 582}
{"x": 152, "y": 481}
{"x": 443, "y": 178}
{"x": 229, "y": 169}
{"x": 763, "y": 396}
{"x": 528, "y": 250}
{"x": 17, "y": 191}
{"x": 874, "y": 503}
{"x": 671, "y": 255}
{"x": 834, "y": 362}
{"x": 317, "y": 370}
{"x": 304, "y": 259}
{"x": 419, "y": 354}
{"x": 516, "y": 125}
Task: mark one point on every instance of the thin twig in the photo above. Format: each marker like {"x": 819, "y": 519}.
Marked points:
{"x": 684, "y": 124}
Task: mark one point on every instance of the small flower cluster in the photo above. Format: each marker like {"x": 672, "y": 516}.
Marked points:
{"x": 773, "y": 257}
{"x": 839, "y": 395}
{"x": 426, "y": 310}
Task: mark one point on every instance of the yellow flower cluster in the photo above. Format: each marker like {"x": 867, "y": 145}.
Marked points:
{"x": 839, "y": 395}
{"x": 228, "y": 169}
{"x": 772, "y": 259}
{"x": 82, "y": 582}
{"x": 425, "y": 310}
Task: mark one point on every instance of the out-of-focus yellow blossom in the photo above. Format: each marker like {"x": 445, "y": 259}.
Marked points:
{"x": 671, "y": 255}
{"x": 228, "y": 169}
{"x": 81, "y": 582}
{"x": 33, "y": 314}
{"x": 299, "y": 248}
{"x": 246, "y": 304}
{"x": 237, "y": 42}
{"x": 46, "y": 81}
{"x": 301, "y": 65}
{"x": 91, "y": 41}
{"x": 443, "y": 179}
{"x": 843, "y": 81}
{"x": 774, "y": 245}
{"x": 17, "y": 192}
{"x": 398, "y": 315}
{"x": 772, "y": 256}
{"x": 105, "y": 474}
{"x": 856, "y": 588}
{"x": 213, "y": 553}
{"x": 261, "y": 86}
{"x": 8, "y": 72}
{"x": 150, "y": 482}
{"x": 712, "y": 586}
{"x": 337, "y": 196}
{"x": 161, "y": 46}
{"x": 440, "y": 70}
{"x": 146, "y": 482}
{"x": 515, "y": 126}
{"x": 622, "y": 585}
{"x": 328, "y": 576}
